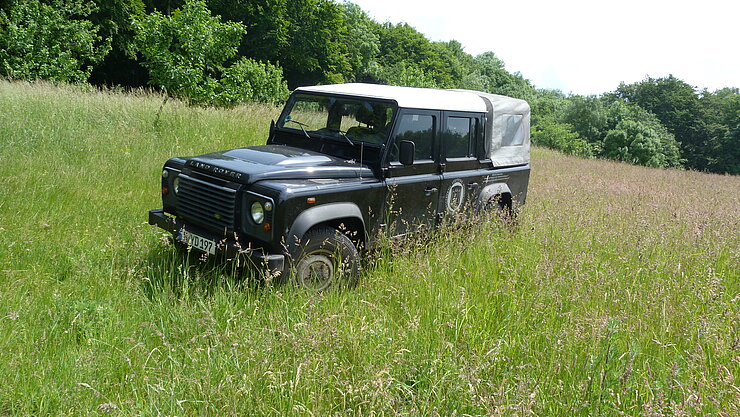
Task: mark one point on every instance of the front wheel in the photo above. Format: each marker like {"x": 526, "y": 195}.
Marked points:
{"x": 326, "y": 258}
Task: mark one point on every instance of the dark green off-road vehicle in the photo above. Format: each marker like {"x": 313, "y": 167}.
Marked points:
{"x": 343, "y": 165}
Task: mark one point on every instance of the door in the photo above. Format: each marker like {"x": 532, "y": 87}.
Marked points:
{"x": 413, "y": 190}
{"x": 460, "y": 167}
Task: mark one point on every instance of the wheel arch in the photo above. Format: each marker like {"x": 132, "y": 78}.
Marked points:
{"x": 336, "y": 215}
{"x": 498, "y": 192}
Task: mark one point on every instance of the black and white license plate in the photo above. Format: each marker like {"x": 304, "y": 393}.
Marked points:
{"x": 198, "y": 242}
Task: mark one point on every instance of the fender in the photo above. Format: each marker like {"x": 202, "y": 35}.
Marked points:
{"x": 492, "y": 190}
{"x": 317, "y": 215}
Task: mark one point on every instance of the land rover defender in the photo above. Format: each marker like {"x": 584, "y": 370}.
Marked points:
{"x": 343, "y": 165}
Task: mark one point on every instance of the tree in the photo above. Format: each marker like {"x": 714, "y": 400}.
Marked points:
{"x": 404, "y": 74}
{"x": 677, "y": 106}
{"x": 588, "y": 116}
{"x": 188, "y": 54}
{"x": 403, "y": 46}
{"x": 637, "y": 136}
{"x": 363, "y": 44}
{"x": 307, "y": 37}
{"x": 729, "y": 160}
{"x": 492, "y": 77}
{"x": 115, "y": 19}
{"x": 721, "y": 117}
{"x": 50, "y": 40}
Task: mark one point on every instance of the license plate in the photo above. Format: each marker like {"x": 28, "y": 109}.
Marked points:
{"x": 198, "y": 242}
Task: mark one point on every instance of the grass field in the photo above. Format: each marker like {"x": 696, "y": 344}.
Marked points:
{"x": 617, "y": 293}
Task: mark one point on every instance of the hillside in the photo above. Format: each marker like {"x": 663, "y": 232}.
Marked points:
{"x": 617, "y": 292}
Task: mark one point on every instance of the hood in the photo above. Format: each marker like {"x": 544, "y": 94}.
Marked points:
{"x": 249, "y": 165}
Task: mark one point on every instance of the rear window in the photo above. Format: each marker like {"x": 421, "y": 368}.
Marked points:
{"x": 513, "y": 130}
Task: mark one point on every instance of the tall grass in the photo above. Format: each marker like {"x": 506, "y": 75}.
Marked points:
{"x": 616, "y": 293}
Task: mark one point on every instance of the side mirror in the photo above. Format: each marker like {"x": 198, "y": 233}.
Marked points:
{"x": 406, "y": 152}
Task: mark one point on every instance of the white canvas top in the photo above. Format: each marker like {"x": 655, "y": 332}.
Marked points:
{"x": 507, "y": 129}
{"x": 508, "y": 119}
{"x": 408, "y": 97}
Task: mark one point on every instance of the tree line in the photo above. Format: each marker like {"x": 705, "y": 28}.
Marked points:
{"x": 224, "y": 52}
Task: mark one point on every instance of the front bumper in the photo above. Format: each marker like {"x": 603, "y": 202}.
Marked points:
{"x": 229, "y": 247}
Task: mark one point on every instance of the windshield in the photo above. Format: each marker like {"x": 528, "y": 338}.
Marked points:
{"x": 345, "y": 119}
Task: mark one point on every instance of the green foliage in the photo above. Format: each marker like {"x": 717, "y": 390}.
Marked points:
{"x": 489, "y": 75}
{"x": 699, "y": 123}
{"x": 547, "y": 104}
{"x": 307, "y": 37}
{"x": 402, "y": 46}
{"x": 187, "y": 55}
{"x": 404, "y": 74}
{"x": 249, "y": 80}
{"x": 634, "y": 142}
{"x": 673, "y": 101}
{"x": 728, "y": 161}
{"x": 721, "y": 116}
{"x": 621, "y": 131}
{"x": 363, "y": 43}
{"x": 560, "y": 136}
{"x": 588, "y": 116}
{"x": 648, "y": 141}
{"x": 50, "y": 40}
{"x": 116, "y": 21}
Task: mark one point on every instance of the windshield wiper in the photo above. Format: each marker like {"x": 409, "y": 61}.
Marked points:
{"x": 302, "y": 127}
{"x": 344, "y": 135}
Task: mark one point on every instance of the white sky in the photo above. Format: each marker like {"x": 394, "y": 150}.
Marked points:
{"x": 586, "y": 47}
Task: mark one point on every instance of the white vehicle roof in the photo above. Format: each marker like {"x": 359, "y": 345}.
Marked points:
{"x": 507, "y": 129}
{"x": 408, "y": 97}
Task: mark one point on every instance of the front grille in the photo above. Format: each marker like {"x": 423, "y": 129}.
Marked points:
{"x": 206, "y": 204}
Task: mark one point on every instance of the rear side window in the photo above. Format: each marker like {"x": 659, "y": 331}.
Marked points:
{"x": 458, "y": 138}
{"x": 417, "y": 128}
{"x": 513, "y": 130}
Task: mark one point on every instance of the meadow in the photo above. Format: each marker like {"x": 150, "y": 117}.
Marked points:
{"x": 617, "y": 291}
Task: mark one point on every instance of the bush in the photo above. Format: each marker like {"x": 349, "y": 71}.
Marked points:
{"x": 249, "y": 80}
{"x": 637, "y": 136}
{"x": 560, "y": 136}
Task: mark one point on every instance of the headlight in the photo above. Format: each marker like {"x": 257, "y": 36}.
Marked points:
{"x": 176, "y": 185}
{"x": 258, "y": 213}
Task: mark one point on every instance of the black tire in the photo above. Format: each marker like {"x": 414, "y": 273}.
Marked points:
{"x": 325, "y": 258}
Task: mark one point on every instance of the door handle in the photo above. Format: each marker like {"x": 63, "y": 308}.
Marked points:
{"x": 430, "y": 191}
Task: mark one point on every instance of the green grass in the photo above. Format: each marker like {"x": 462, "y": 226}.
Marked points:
{"x": 616, "y": 294}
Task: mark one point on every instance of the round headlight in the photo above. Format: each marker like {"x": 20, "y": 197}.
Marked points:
{"x": 268, "y": 206}
{"x": 258, "y": 213}
{"x": 176, "y": 185}
{"x": 165, "y": 173}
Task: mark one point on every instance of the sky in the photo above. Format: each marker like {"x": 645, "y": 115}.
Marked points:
{"x": 586, "y": 47}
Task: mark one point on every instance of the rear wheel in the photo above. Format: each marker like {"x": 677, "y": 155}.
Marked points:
{"x": 326, "y": 258}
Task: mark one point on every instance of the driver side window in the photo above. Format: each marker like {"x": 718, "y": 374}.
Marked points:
{"x": 417, "y": 128}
